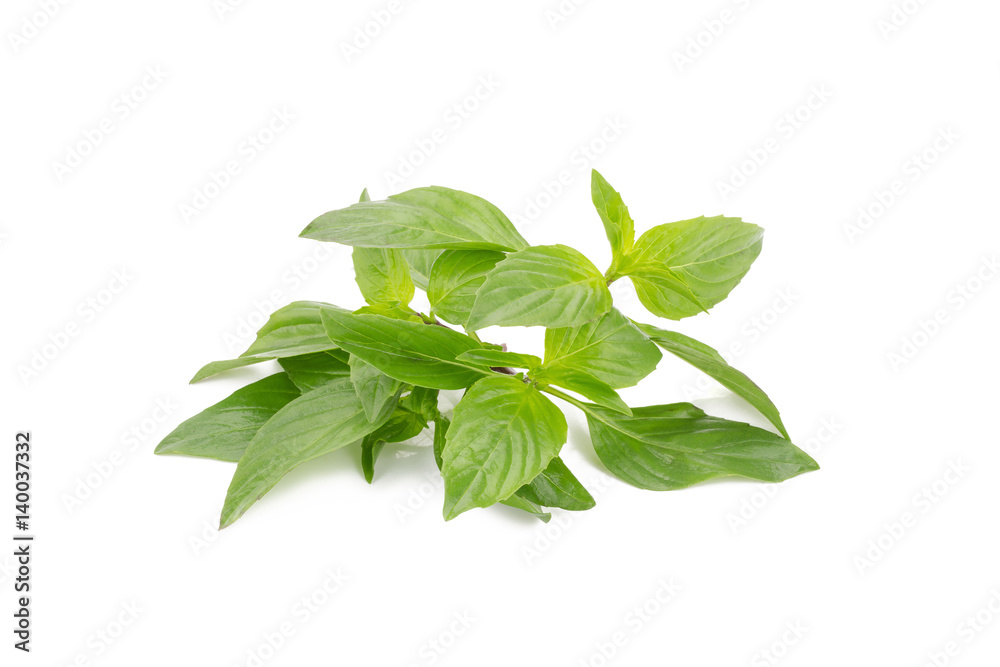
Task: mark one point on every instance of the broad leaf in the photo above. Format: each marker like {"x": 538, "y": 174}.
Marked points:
{"x": 311, "y": 371}
{"x": 501, "y": 359}
{"x": 503, "y": 434}
{"x": 551, "y": 286}
{"x": 321, "y": 421}
{"x": 291, "y": 331}
{"x": 375, "y": 389}
{"x": 420, "y": 262}
{"x": 556, "y": 486}
{"x": 665, "y": 447}
{"x": 706, "y": 359}
{"x": 224, "y": 430}
{"x": 584, "y": 384}
{"x": 383, "y": 276}
{"x": 618, "y": 224}
{"x": 402, "y": 425}
{"x": 611, "y": 349}
{"x": 455, "y": 278}
{"x": 418, "y": 354}
{"x": 422, "y": 218}
{"x": 683, "y": 268}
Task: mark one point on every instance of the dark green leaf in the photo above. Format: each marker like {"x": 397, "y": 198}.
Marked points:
{"x": 224, "y": 430}
{"x": 424, "y": 402}
{"x": 321, "y": 421}
{"x": 418, "y": 354}
{"x": 311, "y": 371}
{"x": 665, "y": 447}
{"x": 584, "y": 384}
{"x": 501, "y": 359}
{"x": 556, "y": 486}
{"x": 611, "y": 349}
{"x": 552, "y": 286}
{"x": 706, "y": 359}
{"x": 503, "y": 434}
{"x": 455, "y": 278}
{"x": 422, "y": 218}
{"x": 402, "y": 425}
{"x": 441, "y": 425}
{"x": 614, "y": 214}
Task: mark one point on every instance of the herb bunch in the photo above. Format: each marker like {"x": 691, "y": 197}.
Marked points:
{"x": 371, "y": 377}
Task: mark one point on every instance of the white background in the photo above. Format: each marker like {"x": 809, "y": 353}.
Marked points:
{"x": 815, "y": 323}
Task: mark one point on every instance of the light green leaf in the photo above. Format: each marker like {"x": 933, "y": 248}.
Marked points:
{"x": 418, "y": 354}
{"x": 519, "y": 502}
{"x": 420, "y": 262}
{"x": 503, "y": 434}
{"x": 665, "y": 447}
{"x": 584, "y": 384}
{"x": 421, "y": 219}
{"x": 683, "y": 268}
{"x": 311, "y": 371}
{"x": 383, "y": 276}
{"x": 556, "y": 486}
{"x": 224, "y": 430}
{"x": 375, "y": 389}
{"x": 552, "y": 286}
{"x": 501, "y": 359}
{"x": 706, "y": 359}
{"x": 291, "y": 331}
{"x": 321, "y": 421}
{"x": 424, "y": 402}
{"x": 455, "y": 278}
{"x": 611, "y": 349}
{"x": 402, "y": 425}
{"x": 618, "y": 224}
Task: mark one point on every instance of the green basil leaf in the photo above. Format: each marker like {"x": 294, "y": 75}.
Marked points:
{"x": 706, "y": 359}
{"x": 519, "y": 502}
{"x": 503, "y": 434}
{"x": 402, "y": 425}
{"x": 501, "y": 359}
{"x": 423, "y": 218}
{"x": 418, "y": 354}
{"x": 321, "y": 421}
{"x": 618, "y": 224}
{"x": 455, "y": 278}
{"x": 584, "y": 384}
{"x": 375, "y": 389}
{"x": 441, "y": 425}
{"x": 683, "y": 268}
{"x": 665, "y": 447}
{"x": 424, "y": 402}
{"x": 556, "y": 486}
{"x": 420, "y": 262}
{"x": 291, "y": 331}
{"x": 224, "y": 430}
{"x": 311, "y": 371}
{"x": 552, "y": 286}
{"x": 383, "y": 276}
{"x": 611, "y": 349}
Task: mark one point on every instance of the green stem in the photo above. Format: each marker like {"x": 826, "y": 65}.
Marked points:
{"x": 569, "y": 399}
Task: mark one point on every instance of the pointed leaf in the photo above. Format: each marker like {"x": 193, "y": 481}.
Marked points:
{"x": 422, "y": 218}
{"x": 556, "y": 486}
{"x": 584, "y": 384}
{"x": 224, "y": 430}
{"x": 611, "y": 349}
{"x": 519, "y": 502}
{"x": 455, "y": 278}
{"x": 402, "y": 425}
{"x": 311, "y": 371}
{"x": 614, "y": 214}
{"x": 501, "y": 359}
{"x": 503, "y": 434}
{"x": 665, "y": 447}
{"x": 441, "y": 425}
{"x": 552, "y": 286}
{"x": 375, "y": 389}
